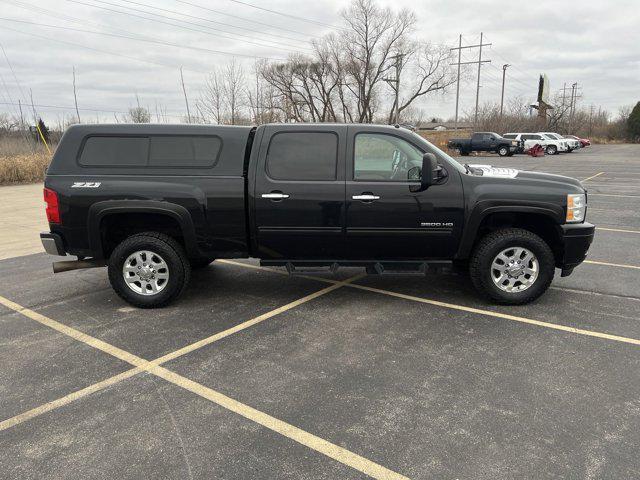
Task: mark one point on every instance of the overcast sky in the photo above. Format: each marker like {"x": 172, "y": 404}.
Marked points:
{"x": 593, "y": 43}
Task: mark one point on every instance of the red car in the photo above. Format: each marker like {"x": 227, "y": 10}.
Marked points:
{"x": 584, "y": 142}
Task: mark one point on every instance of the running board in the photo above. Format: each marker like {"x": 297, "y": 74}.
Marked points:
{"x": 372, "y": 267}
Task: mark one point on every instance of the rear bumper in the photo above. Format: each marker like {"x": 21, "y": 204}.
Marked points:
{"x": 576, "y": 239}
{"x": 52, "y": 243}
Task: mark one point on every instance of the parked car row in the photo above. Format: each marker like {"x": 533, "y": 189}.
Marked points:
{"x": 512, "y": 143}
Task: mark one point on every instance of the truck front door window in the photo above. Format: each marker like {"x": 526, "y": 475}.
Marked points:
{"x": 384, "y": 157}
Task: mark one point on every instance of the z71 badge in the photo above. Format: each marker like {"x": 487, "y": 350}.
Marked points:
{"x": 85, "y": 184}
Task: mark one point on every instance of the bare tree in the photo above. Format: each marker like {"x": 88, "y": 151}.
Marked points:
{"x": 138, "y": 114}
{"x": 430, "y": 71}
{"x": 233, "y": 86}
{"x": 372, "y": 36}
{"x": 210, "y": 104}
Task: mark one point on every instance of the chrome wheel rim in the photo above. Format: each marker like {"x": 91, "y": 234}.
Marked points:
{"x": 514, "y": 269}
{"x": 145, "y": 272}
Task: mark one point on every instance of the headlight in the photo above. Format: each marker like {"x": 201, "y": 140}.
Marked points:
{"x": 515, "y": 142}
{"x": 576, "y": 207}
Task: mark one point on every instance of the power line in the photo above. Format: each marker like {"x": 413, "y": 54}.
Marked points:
{"x": 302, "y": 19}
{"x": 115, "y": 54}
{"x": 209, "y": 20}
{"x": 242, "y": 18}
{"x": 175, "y": 24}
{"x": 147, "y": 40}
{"x": 87, "y": 109}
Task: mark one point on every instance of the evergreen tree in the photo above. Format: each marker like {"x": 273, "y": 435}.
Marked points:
{"x": 633, "y": 123}
{"x": 44, "y": 130}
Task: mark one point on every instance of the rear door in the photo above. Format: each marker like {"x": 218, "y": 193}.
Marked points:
{"x": 299, "y": 196}
{"x": 386, "y": 218}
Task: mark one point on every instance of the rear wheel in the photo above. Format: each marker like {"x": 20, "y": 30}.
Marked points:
{"x": 149, "y": 270}
{"x": 512, "y": 266}
{"x": 552, "y": 149}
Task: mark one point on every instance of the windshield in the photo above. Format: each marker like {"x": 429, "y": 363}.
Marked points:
{"x": 548, "y": 136}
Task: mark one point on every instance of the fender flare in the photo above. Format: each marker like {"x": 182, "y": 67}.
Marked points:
{"x": 554, "y": 212}
{"x": 98, "y": 211}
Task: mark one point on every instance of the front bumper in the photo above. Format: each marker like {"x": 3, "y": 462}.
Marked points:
{"x": 576, "y": 239}
{"x": 52, "y": 243}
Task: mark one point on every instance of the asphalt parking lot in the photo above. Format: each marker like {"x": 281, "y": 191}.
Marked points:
{"x": 254, "y": 374}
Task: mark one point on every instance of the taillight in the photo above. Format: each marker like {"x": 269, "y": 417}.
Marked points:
{"x": 53, "y": 210}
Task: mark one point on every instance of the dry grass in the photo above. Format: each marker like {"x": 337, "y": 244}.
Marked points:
{"x": 440, "y": 138}
{"x": 23, "y": 168}
{"x": 22, "y": 161}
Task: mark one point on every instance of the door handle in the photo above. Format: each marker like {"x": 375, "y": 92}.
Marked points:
{"x": 366, "y": 197}
{"x": 275, "y": 195}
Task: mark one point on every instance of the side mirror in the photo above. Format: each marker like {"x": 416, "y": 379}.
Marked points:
{"x": 429, "y": 167}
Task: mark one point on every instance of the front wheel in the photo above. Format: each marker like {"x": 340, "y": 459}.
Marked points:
{"x": 512, "y": 266}
{"x": 149, "y": 270}
{"x": 503, "y": 151}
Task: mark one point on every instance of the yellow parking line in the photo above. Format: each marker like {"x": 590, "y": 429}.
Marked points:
{"x": 505, "y": 316}
{"x": 619, "y": 265}
{"x": 72, "y": 397}
{"x": 612, "y": 195}
{"x": 593, "y": 176}
{"x": 622, "y": 230}
{"x": 170, "y": 356}
{"x": 303, "y": 437}
{"x": 292, "y": 432}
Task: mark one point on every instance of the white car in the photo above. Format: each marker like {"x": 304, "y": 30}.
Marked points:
{"x": 557, "y": 143}
{"x": 528, "y": 140}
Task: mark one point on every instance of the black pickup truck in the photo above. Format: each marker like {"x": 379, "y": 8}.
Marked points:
{"x": 152, "y": 202}
{"x": 485, "y": 142}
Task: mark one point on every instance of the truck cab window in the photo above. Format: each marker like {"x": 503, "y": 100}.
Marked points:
{"x": 303, "y": 156}
{"x": 384, "y": 157}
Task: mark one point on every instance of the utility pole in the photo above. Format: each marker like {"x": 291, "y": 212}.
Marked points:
{"x": 75, "y": 97}
{"x": 186, "y": 101}
{"x": 395, "y": 85}
{"x": 504, "y": 71}
{"x": 480, "y": 61}
{"x": 458, "y": 81}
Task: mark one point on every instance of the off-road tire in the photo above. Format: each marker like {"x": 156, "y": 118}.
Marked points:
{"x": 200, "y": 263}
{"x": 551, "y": 150}
{"x": 170, "y": 251}
{"x": 503, "y": 151}
{"x": 492, "y": 244}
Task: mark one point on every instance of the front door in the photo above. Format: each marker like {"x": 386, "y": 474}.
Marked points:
{"x": 387, "y": 219}
{"x": 299, "y": 192}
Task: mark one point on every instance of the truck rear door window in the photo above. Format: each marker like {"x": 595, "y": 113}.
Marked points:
{"x": 184, "y": 151}
{"x": 115, "y": 151}
{"x": 303, "y": 156}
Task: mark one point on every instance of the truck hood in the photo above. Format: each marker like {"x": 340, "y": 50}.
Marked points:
{"x": 505, "y": 172}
